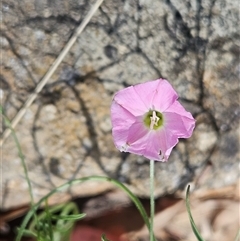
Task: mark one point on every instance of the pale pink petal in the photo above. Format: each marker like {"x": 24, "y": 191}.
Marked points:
{"x": 178, "y": 121}
{"x": 157, "y": 94}
{"x": 155, "y": 145}
{"x": 132, "y": 135}
{"x": 176, "y": 107}
{"x": 120, "y": 137}
{"x": 130, "y": 100}
{"x": 179, "y": 125}
{"x": 120, "y": 116}
{"x": 162, "y": 143}
{"x": 139, "y": 146}
{"x": 136, "y": 132}
{"x": 122, "y": 120}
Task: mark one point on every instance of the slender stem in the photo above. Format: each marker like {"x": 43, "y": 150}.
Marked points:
{"x": 50, "y": 71}
{"x": 8, "y": 124}
{"x": 237, "y": 236}
{"x": 20, "y": 153}
{"x": 152, "y": 205}
{"x": 77, "y": 181}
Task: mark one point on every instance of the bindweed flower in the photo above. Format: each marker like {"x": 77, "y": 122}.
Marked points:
{"x": 147, "y": 120}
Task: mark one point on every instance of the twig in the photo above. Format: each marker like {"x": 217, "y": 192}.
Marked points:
{"x": 50, "y": 72}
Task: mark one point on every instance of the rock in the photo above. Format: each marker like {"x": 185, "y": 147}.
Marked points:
{"x": 66, "y": 133}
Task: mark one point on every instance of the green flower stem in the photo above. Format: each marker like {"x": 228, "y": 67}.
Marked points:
{"x": 152, "y": 204}
{"x": 8, "y": 124}
{"x": 33, "y": 209}
{"x": 20, "y": 153}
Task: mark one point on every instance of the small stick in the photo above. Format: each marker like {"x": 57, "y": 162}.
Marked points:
{"x": 50, "y": 71}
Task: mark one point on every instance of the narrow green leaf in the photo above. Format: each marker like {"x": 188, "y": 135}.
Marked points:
{"x": 71, "y": 217}
{"x": 194, "y": 227}
{"x": 28, "y": 233}
{"x": 135, "y": 199}
{"x": 103, "y": 238}
{"x": 49, "y": 220}
{"x": 237, "y": 236}
{"x": 20, "y": 154}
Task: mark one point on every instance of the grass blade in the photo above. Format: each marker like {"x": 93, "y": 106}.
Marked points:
{"x": 73, "y": 217}
{"x": 103, "y": 238}
{"x": 134, "y": 199}
{"x": 237, "y": 236}
{"x": 194, "y": 227}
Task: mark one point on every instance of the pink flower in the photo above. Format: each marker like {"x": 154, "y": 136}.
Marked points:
{"x": 147, "y": 120}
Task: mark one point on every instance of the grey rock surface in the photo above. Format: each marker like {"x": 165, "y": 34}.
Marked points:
{"x": 66, "y": 133}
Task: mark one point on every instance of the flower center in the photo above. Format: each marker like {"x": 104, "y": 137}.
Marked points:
{"x": 153, "y": 119}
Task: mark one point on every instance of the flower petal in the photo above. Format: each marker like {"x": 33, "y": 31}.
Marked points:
{"x": 178, "y": 121}
{"x": 122, "y": 120}
{"x": 120, "y": 116}
{"x": 162, "y": 143}
{"x": 178, "y": 125}
{"x": 130, "y": 100}
{"x": 129, "y": 108}
{"x": 176, "y": 107}
{"x": 136, "y": 132}
{"x": 155, "y": 145}
{"x": 158, "y": 94}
